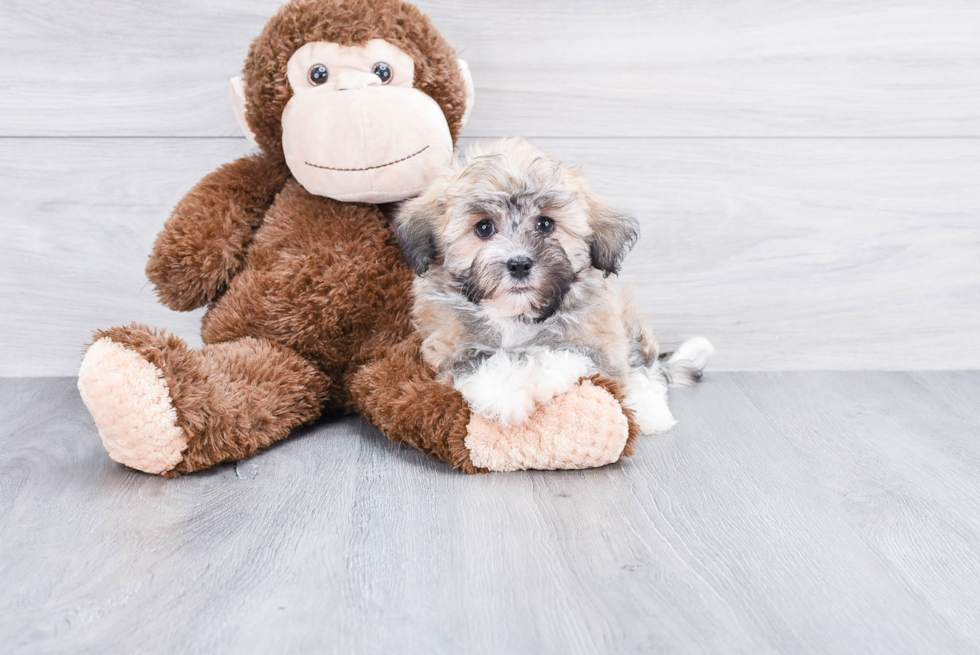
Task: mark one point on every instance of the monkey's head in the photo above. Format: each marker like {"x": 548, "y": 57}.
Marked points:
{"x": 363, "y": 99}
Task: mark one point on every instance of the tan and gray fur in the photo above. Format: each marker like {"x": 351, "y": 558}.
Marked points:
{"x": 534, "y": 283}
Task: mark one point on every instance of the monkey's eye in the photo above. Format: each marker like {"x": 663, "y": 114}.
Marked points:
{"x": 545, "y": 225}
{"x": 318, "y": 74}
{"x": 383, "y": 71}
{"x": 485, "y": 229}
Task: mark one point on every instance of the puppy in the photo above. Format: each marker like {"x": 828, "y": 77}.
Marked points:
{"x": 513, "y": 252}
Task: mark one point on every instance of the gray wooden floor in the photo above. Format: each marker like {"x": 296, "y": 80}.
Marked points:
{"x": 788, "y": 512}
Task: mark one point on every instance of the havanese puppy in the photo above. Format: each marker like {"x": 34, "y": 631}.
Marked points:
{"x": 513, "y": 252}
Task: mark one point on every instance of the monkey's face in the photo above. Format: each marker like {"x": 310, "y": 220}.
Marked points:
{"x": 355, "y": 129}
{"x": 362, "y": 100}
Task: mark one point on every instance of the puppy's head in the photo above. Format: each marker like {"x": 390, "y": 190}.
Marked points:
{"x": 513, "y": 229}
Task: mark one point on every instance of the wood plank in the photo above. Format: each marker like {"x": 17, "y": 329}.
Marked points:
{"x": 790, "y": 512}
{"x": 787, "y": 254}
{"x": 804, "y": 254}
{"x": 80, "y": 220}
{"x": 575, "y": 68}
{"x": 902, "y": 462}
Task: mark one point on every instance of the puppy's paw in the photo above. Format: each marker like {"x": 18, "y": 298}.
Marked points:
{"x": 553, "y": 372}
{"x": 499, "y": 389}
{"x": 508, "y": 387}
{"x": 647, "y": 398}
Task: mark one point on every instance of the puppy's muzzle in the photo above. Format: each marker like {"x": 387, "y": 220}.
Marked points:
{"x": 519, "y": 267}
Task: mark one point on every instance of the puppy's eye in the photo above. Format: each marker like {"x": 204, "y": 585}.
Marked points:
{"x": 485, "y": 229}
{"x": 383, "y": 71}
{"x": 545, "y": 225}
{"x": 318, "y": 74}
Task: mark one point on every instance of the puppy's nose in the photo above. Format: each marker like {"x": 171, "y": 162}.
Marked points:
{"x": 519, "y": 267}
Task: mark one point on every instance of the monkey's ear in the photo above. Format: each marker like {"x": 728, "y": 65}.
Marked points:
{"x": 613, "y": 234}
{"x": 470, "y": 90}
{"x": 414, "y": 226}
{"x": 238, "y": 104}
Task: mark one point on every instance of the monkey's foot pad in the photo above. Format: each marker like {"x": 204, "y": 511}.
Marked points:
{"x": 130, "y": 402}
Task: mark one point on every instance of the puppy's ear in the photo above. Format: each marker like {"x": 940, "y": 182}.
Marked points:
{"x": 415, "y": 227}
{"x": 613, "y": 233}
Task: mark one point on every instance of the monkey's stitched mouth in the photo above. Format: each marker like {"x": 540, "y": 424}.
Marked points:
{"x": 369, "y": 168}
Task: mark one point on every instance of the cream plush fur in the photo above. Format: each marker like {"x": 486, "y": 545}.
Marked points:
{"x": 130, "y": 402}
{"x": 592, "y": 426}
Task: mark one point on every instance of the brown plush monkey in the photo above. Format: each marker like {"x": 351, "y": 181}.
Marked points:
{"x": 352, "y": 102}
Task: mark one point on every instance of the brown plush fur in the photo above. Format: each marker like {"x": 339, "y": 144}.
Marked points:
{"x": 324, "y": 278}
{"x": 309, "y": 297}
{"x": 204, "y": 243}
{"x": 323, "y": 281}
{"x": 399, "y": 391}
{"x": 231, "y": 398}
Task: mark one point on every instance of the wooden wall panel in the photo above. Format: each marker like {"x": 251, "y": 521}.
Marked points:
{"x": 542, "y": 68}
{"x": 787, "y": 253}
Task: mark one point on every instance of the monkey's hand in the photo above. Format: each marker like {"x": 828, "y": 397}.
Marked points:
{"x": 585, "y": 427}
{"x": 203, "y": 244}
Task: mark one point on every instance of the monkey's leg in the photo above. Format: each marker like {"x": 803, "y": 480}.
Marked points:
{"x": 164, "y": 408}
{"x": 587, "y": 426}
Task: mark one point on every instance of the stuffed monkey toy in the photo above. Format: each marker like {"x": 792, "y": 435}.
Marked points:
{"x": 354, "y": 104}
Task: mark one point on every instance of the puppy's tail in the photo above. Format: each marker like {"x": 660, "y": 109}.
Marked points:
{"x": 684, "y": 366}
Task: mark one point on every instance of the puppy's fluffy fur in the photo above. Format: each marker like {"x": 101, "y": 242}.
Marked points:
{"x": 513, "y": 252}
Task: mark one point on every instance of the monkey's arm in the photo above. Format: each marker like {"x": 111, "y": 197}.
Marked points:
{"x": 399, "y": 394}
{"x": 202, "y": 245}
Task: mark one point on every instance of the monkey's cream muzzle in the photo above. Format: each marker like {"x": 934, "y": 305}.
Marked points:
{"x": 394, "y": 142}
